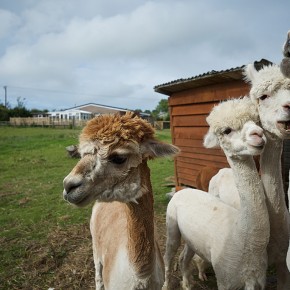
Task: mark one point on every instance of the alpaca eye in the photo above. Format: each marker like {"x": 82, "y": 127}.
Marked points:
{"x": 118, "y": 159}
{"x": 262, "y": 98}
{"x": 227, "y": 131}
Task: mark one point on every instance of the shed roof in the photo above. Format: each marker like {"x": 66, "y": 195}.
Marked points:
{"x": 209, "y": 78}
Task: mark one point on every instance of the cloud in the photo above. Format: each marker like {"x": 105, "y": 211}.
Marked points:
{"x": 8, "y": 22}
{"x": 115, "y": 52}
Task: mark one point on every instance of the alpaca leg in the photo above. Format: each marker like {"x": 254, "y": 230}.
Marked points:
{"x": 185, "y": 260}
{"x": 252, "y": 285}
{"x": 172, "y": 245}
{"x": 98, "y": 272}
{"x": 283, "y": 276}
{"x": 288, "y": 258}
{"x": 201, "y": 265}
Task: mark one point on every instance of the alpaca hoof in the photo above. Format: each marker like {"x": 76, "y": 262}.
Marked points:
{"x": 202, "y": 277}
{"x": 186, "y": 285}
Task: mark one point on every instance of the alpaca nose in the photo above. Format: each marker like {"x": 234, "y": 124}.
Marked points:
{"x": 256, "y": 137}
{"x": 258, "y": 132}
{"x": 71, "y": 182}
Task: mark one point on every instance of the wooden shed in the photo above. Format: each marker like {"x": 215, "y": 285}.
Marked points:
{"x": 190, "y": 101}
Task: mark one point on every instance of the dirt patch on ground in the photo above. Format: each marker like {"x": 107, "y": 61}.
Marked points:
{"x": 65, "y": 261}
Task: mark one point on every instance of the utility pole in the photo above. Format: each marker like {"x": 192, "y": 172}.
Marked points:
{"x": 5, "y": 89}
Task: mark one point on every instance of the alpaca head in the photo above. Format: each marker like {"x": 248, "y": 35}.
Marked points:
{"x": 285, "y": 63}
{"x": 112, "y": 147}
{"x": 233, "y": 127}
{"x": 270, "y": 90}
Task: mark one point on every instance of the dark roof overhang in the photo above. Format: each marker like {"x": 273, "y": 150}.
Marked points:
{"x": 209, "y": 78}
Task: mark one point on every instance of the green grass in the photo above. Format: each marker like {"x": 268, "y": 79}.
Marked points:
{"x": 33, "y": 163}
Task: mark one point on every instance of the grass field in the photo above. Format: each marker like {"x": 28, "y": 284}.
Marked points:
{"x": 34, "y": 217}
{"x": 45, "y": 242}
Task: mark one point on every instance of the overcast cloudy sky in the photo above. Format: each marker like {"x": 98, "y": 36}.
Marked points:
{"x": 60, "y": 53}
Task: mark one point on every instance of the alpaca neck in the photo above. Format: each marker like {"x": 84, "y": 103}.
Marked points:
{"x": 141, "y": 226}
{"x": 271, "y": 175}
{"x": 253, "y": 210}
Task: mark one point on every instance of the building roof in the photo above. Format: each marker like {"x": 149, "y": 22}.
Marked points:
{"x": 92, "y": 105}
{"x": 73, "y": 110}
{"x": 103, "y": 109}
{"x": 209, "y": 78}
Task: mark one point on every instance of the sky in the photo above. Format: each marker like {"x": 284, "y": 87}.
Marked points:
{"x": 57, "y": 54}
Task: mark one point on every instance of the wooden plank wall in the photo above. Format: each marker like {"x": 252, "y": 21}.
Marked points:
{"x": 188, "y": 112}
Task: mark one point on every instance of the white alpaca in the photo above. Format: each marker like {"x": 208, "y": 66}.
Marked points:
{"x": 113, "y": 171}
{"x": 288, "y": 252}
{"x": 285, "y": 69}
{"x": 234, "y": 241}
{"x": 223, "y": 186}
{"x": 271, "y": 91}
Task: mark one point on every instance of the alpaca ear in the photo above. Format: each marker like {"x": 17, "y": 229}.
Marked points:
{"x": 250, "y": 73}
{"x": 154, "y": 148}
{"x": 285, "y": 67}
{"x": 210, "y": 140}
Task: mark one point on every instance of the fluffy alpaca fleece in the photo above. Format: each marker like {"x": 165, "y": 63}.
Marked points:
{"x": 267, "y": 80}
{"x": 233, "y": 119}
{"x": 234, "y": 241}
{"x": 113, "y": 172}
{"x": 270, "y": 91}
{"x": 107, "y": 128}
{"x": 285, "y": 69}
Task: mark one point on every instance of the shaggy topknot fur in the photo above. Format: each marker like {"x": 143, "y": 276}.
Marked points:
{"x": 232, "y": 113}
{"x": 108, "y": 128}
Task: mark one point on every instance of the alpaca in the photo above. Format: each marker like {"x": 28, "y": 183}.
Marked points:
{"x": 233, "y": 241}
{"x": 209, "y": 178}
{"x": 223, "y": 185}
{"x": 285, "y": 69}
{"x": 270, "y": 91}
{"x": 113, "y": 171}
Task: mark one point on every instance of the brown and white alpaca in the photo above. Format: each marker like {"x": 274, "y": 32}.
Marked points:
{"x": 113, "y": 171}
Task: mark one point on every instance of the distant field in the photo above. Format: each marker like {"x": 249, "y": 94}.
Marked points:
{"x": 41, "y": 235}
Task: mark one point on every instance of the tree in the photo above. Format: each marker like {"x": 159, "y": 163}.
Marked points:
{"x": 20, "y": 109}
{"x": 162, "y": 106}
{"x": 161, "y": 112}
{"x": 4, "y": 113}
